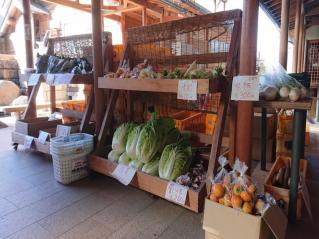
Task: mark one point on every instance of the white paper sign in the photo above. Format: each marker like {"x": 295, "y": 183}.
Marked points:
{"x": 176, "y": 193}
{"x": 28, "y": 141}
{"x": 187, "y": 90}
{"x": 124, "y": 174}
{"x": 62, "y": 130}
{"x": 245, "y": 88}
{"x": 42, "y": 138}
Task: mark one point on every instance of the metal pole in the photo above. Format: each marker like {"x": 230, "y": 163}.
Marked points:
{"x": 263, "y": 157}
{"x": 298, "y": 147}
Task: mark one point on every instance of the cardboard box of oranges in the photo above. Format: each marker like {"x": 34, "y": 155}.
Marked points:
{"x": 234, "y": 210}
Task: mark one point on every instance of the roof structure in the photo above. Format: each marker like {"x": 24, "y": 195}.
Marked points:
{"x": 310, "y": 7}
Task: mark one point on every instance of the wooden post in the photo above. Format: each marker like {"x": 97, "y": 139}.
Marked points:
{"x": 247, "y": 67}
{"x": 97, "y": 62}
{"x": 144, "y": 16}
{"x": 284, "y": 28}
{"x": 28, "y": 48}
{"x": 296, "y": 36}
{"x": 301, "y": 42}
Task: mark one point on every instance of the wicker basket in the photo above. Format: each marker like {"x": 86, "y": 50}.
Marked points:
{"x": 69, "y": 156}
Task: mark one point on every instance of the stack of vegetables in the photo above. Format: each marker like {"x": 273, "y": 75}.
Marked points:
{"x": 156, "y": 148}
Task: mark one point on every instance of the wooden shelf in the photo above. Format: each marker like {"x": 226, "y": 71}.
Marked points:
{"x": 68, "y": 78}
{"x": 204, "y": 86}
{"x": 18, "y": 138}
{"x": 299, "y": 105}
{"x": 151, "y": 184}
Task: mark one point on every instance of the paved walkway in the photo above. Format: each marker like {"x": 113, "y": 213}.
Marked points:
{"x": 33, "y": 205}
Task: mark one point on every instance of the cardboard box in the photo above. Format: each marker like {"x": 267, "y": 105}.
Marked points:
{"x": 227, "y": 223}
{"x": 270, "y": 126}
{"x": 33, "y": 126}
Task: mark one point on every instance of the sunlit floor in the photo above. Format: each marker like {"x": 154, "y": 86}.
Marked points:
{"x": 33, "y": 205}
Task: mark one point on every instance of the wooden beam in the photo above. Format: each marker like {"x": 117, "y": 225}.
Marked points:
{"x": 247, "y": 67}
{"x": 283, "y": 49}
{"x": 81, "y": 7}
{"x": 97, "y": 61}
{"x": 296, "y": 36}
{"x": 121, "y": 10}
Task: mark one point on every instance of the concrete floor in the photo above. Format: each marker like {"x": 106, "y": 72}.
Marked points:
{"x": 33, "y": 205}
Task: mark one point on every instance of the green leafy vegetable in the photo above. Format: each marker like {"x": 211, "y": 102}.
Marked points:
{"x": 175, "y": 161}
{"x": 132, "y": 141}
{"x": 120, "y": 137}
{"x": 151, "y": 167}
{"x": 136, "y": 164}
{"x": 113, "y": 156}
{"x": 124, "y": 159}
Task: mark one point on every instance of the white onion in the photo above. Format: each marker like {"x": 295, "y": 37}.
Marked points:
{"x": 284, "y": 92}
{"x": 294, "y": 94}
{"x": 303, "y": 92}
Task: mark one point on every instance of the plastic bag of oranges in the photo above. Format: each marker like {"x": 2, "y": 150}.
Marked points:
{"x": 234, "y": 189}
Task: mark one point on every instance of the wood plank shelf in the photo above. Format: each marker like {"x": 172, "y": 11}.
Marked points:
{"x": 68, "y": 78}
{"x": 60, "y": 78}
{"x": 298, "y": 105}
{"x": 148, "y": 183}
{"x": 18, "y": 138}
{"x": 204, "y": 86}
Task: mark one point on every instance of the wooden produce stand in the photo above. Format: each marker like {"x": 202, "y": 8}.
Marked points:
{"x": 299, "y": 124}
{"x": 211, "y": 40}
{"x": 81, "y": 46}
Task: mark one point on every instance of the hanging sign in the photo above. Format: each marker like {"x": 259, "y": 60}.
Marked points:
{"x": 62, "y": 130}
{"x": 176, "y": 193}
{"x": 43, "y": 137}
{"x": 245, "y": 88}
{"x": 28, "y": 140}
{"x": 187, "y": 90}
{"x": 124, "y": 174}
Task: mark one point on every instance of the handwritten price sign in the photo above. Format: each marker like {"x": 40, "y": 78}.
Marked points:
{"x": 124, "y": 174}
{"x": 28, "y": 140}
{"x": 176, "y": 193}
{"x": 187, "y": 90}
{"x": 42, "y": 137}
{"x": 245, "y": 88}
{"x": 62, "y": 130}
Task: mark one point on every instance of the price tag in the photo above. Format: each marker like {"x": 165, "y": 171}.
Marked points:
{"x": 124, "y": 174}
{"x": 62, "y": 130}
{"x": 245, "y": 88}
{"x": 28, "y": 140}
{"x": 176, "y": 193}
{"x": 43, "y": 137}
{"x": 187, "y": 90}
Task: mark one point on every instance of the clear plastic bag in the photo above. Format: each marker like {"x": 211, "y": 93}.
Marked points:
{"x": 275, "y": 83}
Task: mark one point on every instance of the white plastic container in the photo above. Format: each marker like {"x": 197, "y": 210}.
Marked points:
{"x": 69, "y": 156}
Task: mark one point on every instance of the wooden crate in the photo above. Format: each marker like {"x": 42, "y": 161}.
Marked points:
{"x": 155, "y": 185}
{"x": 282, "y": 193}
{"x": 32, "y": 126}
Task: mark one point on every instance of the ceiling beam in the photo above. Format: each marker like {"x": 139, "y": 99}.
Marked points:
{"x": 120, "y": 10}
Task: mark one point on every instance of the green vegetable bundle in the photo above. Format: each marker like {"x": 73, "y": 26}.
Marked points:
{"x": 175, "y": 161}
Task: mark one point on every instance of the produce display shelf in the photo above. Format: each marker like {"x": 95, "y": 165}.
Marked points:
{"x": 154, "y": 185}
{"x": 299, "y": 105}
{"x": 18, "y": 138}
{"x": 60, "y": 78}
{"x": 204, "y": 86}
